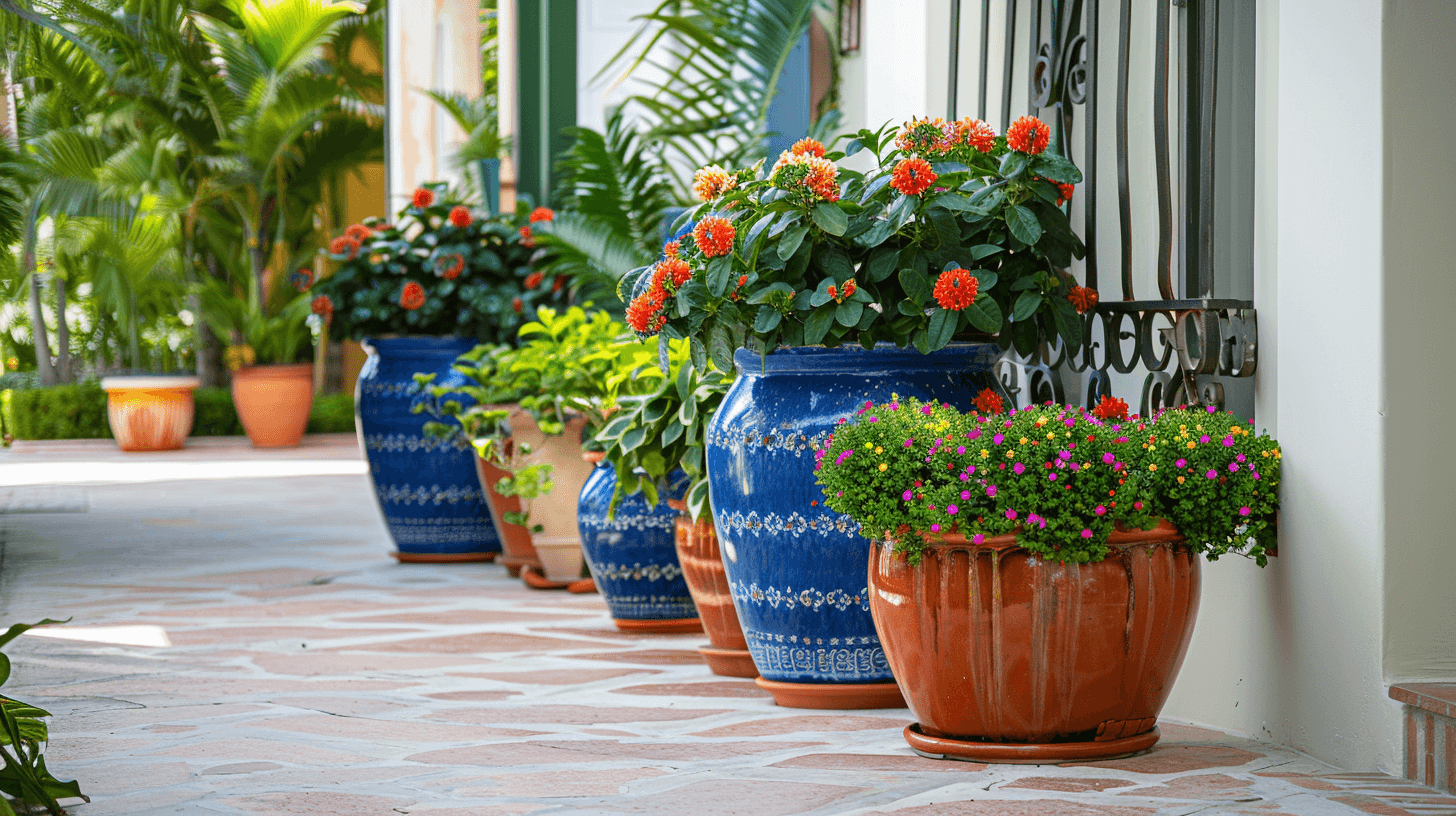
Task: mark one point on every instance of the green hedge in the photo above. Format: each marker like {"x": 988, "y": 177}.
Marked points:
{"x": 79, "y": 412}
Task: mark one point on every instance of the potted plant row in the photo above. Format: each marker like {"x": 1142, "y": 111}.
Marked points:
{"x": 826, "y": 287}
{"x": 417, "y": 293}
{"x": 1034, "y": 574}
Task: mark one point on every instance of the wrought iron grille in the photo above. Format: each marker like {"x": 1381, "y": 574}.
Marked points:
{"x": 1186, "y": 339}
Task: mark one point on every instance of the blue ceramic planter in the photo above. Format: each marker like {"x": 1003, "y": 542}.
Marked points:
{"x": 633, "y": 557}
{"x": 798, "y": 571}
{"x": 427, "y": 488}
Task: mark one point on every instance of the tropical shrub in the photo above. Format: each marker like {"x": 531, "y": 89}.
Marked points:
{"x": 23, "y": 773}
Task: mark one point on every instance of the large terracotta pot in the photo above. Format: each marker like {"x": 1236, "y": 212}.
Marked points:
{"x": 427, "y": 488}
{"x": 632, "y": 557}
{"x": 558, "y": 544}
{"x": 273, "y": 403}
{"x": 517, "y": 551}
{"x": 702, "y": 566}
{"x": 1006, "y": 657}
{"x": 149, "y": 413}
{"x": 796, "y": 569}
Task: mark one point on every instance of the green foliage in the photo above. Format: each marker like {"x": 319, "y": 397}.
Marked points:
{"x": 61, "y": 412}
{"x": 477, "y": 280}
{"x": 274, "y": 335}
{"x": 842, "y": 257}
{"x": 666, "y": 428}
{"x": 1057, "y": 477}
{"x": 213, "y": 413}
{"x": 23, "y": 773}
{"x": 331, "y": 413}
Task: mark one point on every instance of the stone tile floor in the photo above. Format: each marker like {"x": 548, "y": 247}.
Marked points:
{"x": 245, "y": 645}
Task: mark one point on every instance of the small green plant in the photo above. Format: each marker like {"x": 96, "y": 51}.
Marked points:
{"x": 1058, "y": 477}
{"x": 23, "y": 776}
{"x": 666, "y": 428}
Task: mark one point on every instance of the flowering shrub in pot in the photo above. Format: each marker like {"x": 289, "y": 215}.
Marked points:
{"x": 826, "y": 286}
{"x": 418, "y": 292}
{"x": 1034, "y": 574}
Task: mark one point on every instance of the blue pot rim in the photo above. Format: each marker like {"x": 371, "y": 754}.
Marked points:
{"x": 419, "y": 346}
{"x": 885, "y": 358}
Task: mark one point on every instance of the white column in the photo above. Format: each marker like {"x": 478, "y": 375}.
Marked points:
{"x": 431, "y": 45}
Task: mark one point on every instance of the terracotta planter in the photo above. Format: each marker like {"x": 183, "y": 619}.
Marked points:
{"x": 149, "y": 413}
{"x": 1005, "y": 657}
{"x": 702, "y": 565}
{"x": 516, "y": 547}
{"x": 558, "y": 545}
{"x": 273, "y": 403}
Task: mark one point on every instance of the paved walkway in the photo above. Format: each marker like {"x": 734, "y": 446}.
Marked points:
{"x": 243, "y": 644}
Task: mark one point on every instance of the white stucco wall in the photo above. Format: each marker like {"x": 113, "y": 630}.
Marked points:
{"x": 602, "y": 28}
{"x": 1419, "y": 294}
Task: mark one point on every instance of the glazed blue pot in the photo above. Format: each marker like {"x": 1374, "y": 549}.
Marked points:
{"x": 633, "y": 556}
{"x": 799, "y": 571}
{"x": 427, "y": 488}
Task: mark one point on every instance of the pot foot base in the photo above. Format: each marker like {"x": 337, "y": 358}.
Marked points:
{"x": 1023, "y": 753}
{"x": 833, "y": 696}
{"x": 534, "y": 578}
{"x": 443, "y": 558}
{"x": 585, "y": 586}
{"x": 666, "y": 626}
{"x": 729, "y": 662}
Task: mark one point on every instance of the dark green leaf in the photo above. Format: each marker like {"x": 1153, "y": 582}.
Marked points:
{"x": 916, "y": 286}
{"x": 793, "y": 237}
{"x": 1023, "y": 223}
{"x": 951, "y": 200}
{"x": 830, "y": 218}
{"x": 699, "y": 353}
{"x": 718, "y": 271}
{"x": 984, "y": 315}
{"x": 876, "y": 234}
{"x": 767, "y": 319}
{"x": 633, "y": 439}
{"x": 820, "y": 295}
{"x": 816, "y": 326}
{"x": 848, "y": 313}
{"x": 1014, "y": 164}
{"x": 1026, "y": 305}
{"x": 1057, "y": 168}
{"x": 854, "y": 146}
{"x": 942, "y": 327}
{"x": 881, "y": 264}
{"x": 762, "y": 295}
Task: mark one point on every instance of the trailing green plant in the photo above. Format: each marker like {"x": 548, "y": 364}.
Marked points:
{"x": 1057, "y": 477}
{"x": 664, "y": 429}
{"x": 23, "y": 773}
{"x": 955, "y": 231}
{"x": 439, "y": 269}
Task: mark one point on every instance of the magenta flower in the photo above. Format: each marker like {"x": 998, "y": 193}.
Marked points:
{"x": 1064, "y": 455}
{"x": 874, "y": 419}
{"x": 1203, "y": 438}
{"x": 1228, "y": 441}
{"x": 1018, "y": 468}
{"x": 1051, "y": 477}
{"x": 974, "y": 434}
{"x": 1032, "y": 518}
{"x": 965, "y": 495}
{"x": 970, "y": 468}
{"x": 925, "y": 409}
{"x": 1100, "y": 510}
{"x": 894, "y": 406}
{"x": 951, "y": 509}
{"x": 1244, "y": 511}
{"x": 1212, "y": 409}
{"x": 935, "y": 528}
{"x": 960, "y": 448}
{"x": 1255, "y": 474}
{"x": 996, "y": 440}
{"x": 1212, "y": 474}
{"x": 991, "y": 491}
{"x": 1011, "y": 514}
{"x": 1086, "y": 533}
{"x": 1241, "y": 458}
{"x": 909, "y": 442}
{"x": 1180, "y": 463}
{"x": 964, "y": 477}
{"x": 907, "y": 495}
{"x": 1108, "y": 458}
{"x": 1233, "y": 467}
{"x": 840, "y": 421}
{"x": 978, "y": 538}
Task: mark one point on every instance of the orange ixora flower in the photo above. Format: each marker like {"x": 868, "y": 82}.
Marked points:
{"x": 676, "y": 270}
{"x": 450, "y": 266}
{"x": 542, "y": 214}
{"x": 346, "y": 246}
{"x": 412, "y": 297}
{"x": 955, "y": 289}
{"x": 534, "y": 279}
{"x": 322, "y": 305}
{"x": 669, "y": 249}
{"x": 807, "y": 147}
{"x": 978, "y": 134}
{"x": 359, "y": 232}
{"x": 526, "y": 240}
{"x": 989, "y": 402}
{"x": 423, "y": 198}
{"x": 1028, "y": 135}
{"x": 712, "y": 181}
{"x": 1083, "y": 298}
{"x": 1064, "y": 192}
{"x": 644, "y": 313}
{"x": 1110, "y": 408}
{"x": 714, "y": 236}
{"x": 460, "y": 216}
{"x": 818, "y": 176}
{"x": 912, "y": 176}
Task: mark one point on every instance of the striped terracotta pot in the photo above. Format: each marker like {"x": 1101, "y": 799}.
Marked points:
{"x": 149, "y": 413}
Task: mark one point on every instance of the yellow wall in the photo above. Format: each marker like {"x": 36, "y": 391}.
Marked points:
{"x": 363, "y": 197}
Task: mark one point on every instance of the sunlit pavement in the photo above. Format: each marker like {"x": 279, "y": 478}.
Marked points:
{"x": 243, "y": 643}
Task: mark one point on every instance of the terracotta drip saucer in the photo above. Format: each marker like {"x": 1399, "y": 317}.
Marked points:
{"x": 833, "y": 696}
{"x": 1024, "y": 753}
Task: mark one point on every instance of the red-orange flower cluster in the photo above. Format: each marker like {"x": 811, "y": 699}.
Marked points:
{"x": 534, "y": 279}
{"x": 450, "y": 266}
{"x": 526, "y": 240}
{"x": 1083, "y": 298}
{"x": 815, "y": 174}
{"x": 712, "y": 181}
{"x": 955, "y": 289}
{"x": 912, "y": 176}
{"x": 670, "y": 248}
{"x": 807, "y": 147}
{"x": 542, "y": 214}
{"x": 518, "y": 305}
{"x": 322, "y": 305}
{"x": 358, "y": 232}
{"x": 644, "y": 314}
{"x": 1110, "y": 408}
{"x": 988, "y": 402}
{"x": 423, "y": 198}
{"x": 460, "y": 216}
{"x": 978, "y": 134}
{"x": 346, "y": 246}
{"x": 413, "y": 296}
{"x": 1064, "y": 192}
{"x": 1028, "y": 135}
{"x": 714, "y": 236}
{"x": 674, "y": 269}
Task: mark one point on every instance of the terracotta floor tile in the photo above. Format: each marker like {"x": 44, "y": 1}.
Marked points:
{"x": 733, "y": 797}
{"x": 1069, "y": 784}
{"x": 806, "y": 723}
{"x": 555, "y": 677}
{"x": 572, "y": 715}
{"x": 878, "y": 762}
{"x": 1177, "y": 759}
{"x": 542, "y": 753}
{"x": 567, "y": 782}
{"x": 728, "y": 688}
